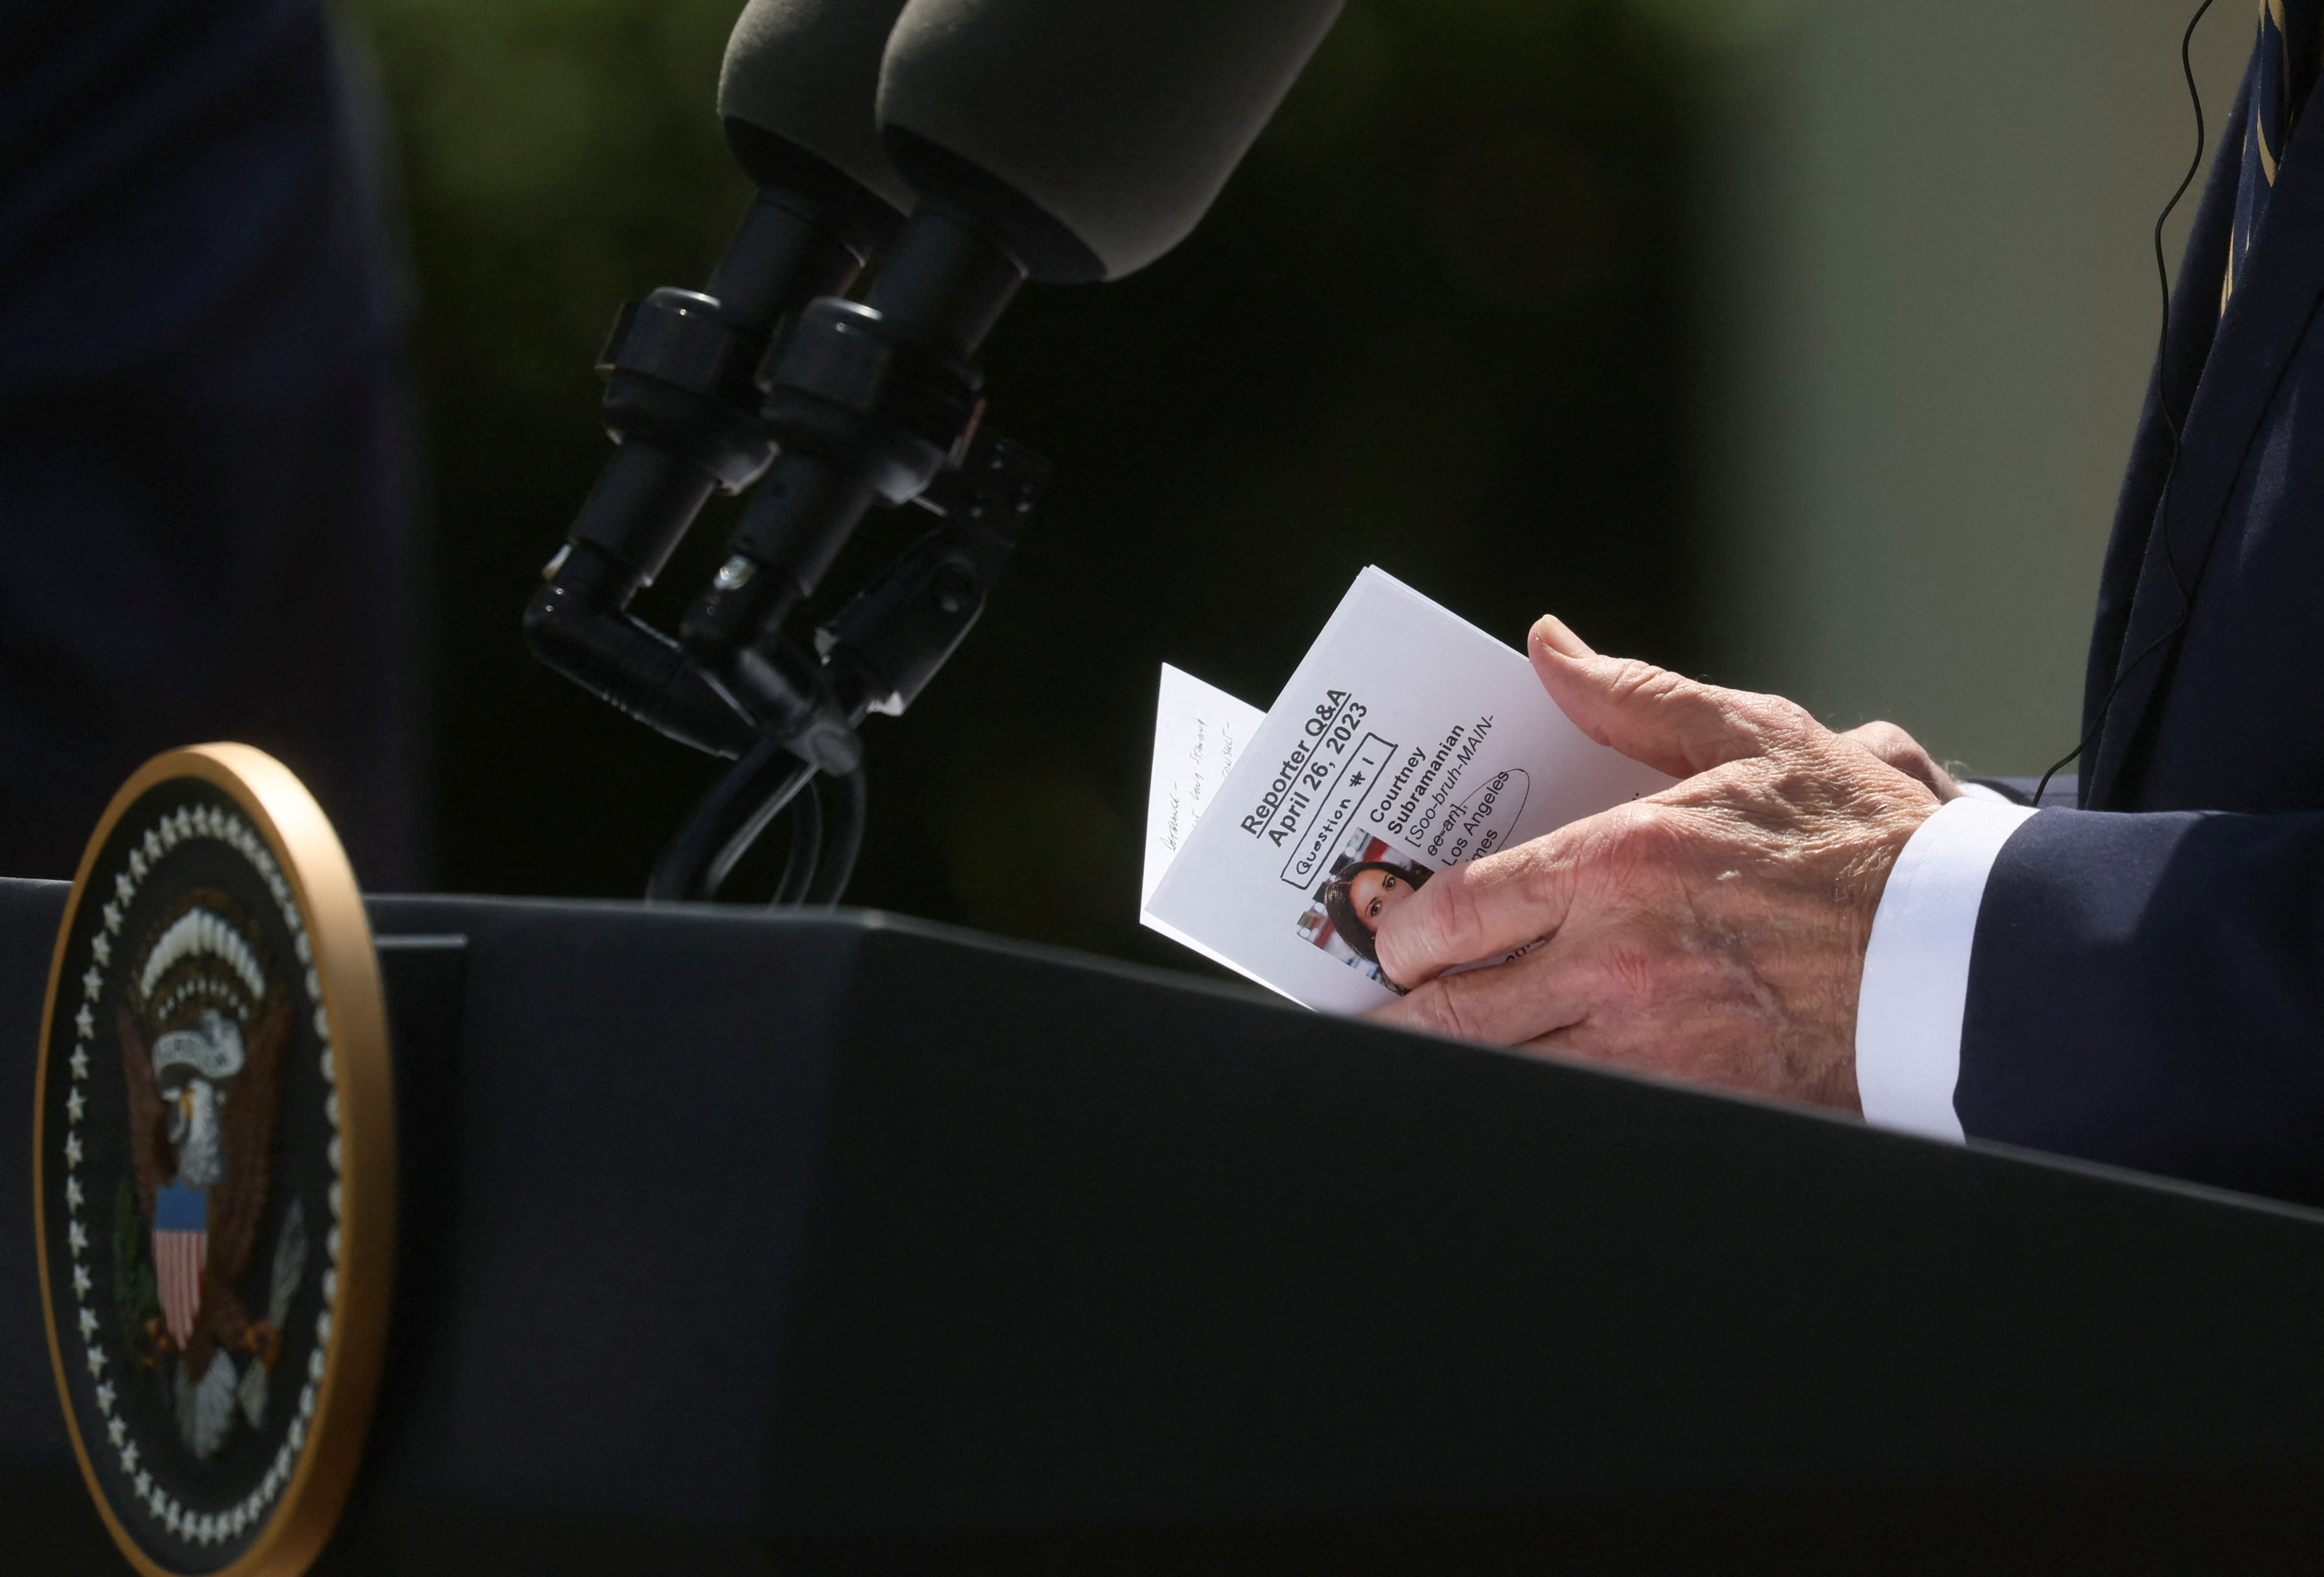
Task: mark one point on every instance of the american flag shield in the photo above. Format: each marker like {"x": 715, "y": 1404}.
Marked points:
{"x": 181, "y": 1239}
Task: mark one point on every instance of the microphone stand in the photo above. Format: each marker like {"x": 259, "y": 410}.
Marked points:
{"x": 863, "y": 403}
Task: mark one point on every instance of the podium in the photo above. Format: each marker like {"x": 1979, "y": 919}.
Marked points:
{"x": 735, "y": 1241}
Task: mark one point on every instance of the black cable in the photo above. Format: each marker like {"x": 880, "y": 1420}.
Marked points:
{"x": 846, "y": 841}
{"x": 807, "y": 846}
{"x": 2174, "y": 423}
{"x": 727, "y": 822}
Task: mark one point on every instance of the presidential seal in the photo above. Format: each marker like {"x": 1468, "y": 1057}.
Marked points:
{"x": 214, "y": 1155}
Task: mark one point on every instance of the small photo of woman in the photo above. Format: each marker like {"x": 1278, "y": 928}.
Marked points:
{"x": 1357, "y": 897}
{"x": 1345, "y": 915}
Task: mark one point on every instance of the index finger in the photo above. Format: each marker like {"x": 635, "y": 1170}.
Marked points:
{"x": 1470, "y": 912}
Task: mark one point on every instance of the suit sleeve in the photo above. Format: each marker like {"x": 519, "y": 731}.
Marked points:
{"x": 2148, "y": 990}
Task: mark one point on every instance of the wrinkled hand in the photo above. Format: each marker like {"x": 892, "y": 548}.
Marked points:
{"x": 1713, "y": 932}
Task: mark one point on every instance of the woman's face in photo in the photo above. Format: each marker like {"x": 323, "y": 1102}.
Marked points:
{"x": 1375, "y": 892}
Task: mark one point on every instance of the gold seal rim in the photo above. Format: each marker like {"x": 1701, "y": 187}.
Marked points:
{"x": 347, "y": 966}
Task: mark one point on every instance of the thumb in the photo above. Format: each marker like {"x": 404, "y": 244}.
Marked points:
{"x": 1651, "y": 715}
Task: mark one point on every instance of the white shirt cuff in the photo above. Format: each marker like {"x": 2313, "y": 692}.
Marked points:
{"x": 1908, "y": 1010}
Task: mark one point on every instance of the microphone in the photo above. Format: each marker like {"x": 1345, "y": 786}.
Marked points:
{"x": 1048, "y": 139}
{"x": 1057, "y": 140}
{"x": 1088, "y": 136}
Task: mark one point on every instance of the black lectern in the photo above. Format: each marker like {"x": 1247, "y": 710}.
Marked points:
{"x": 735, "y": 1241}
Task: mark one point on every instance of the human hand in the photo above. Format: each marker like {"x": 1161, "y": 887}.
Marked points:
{"x": 1713, "y": 932}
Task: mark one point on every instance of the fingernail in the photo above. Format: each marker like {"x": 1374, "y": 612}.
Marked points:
{"x": 1551, "y": 631}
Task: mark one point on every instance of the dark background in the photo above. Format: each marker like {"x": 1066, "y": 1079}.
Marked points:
{"x": 1437, "y": 322}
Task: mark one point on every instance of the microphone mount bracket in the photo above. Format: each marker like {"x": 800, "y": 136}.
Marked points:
{"x": 679, "y": 375}
{"x": 848, "y": 383}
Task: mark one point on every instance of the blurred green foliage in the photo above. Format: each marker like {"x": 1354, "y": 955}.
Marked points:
{"x": 1437, "y": 322}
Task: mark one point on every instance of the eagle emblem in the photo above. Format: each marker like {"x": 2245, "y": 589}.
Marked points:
{"x": 215, "y": 1191}
{"x": 202, "y": 1030}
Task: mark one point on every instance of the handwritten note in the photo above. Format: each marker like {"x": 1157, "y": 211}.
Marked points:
{"x": 1199, "y": 729}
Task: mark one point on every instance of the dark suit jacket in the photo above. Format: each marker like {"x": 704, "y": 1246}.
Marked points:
{"x": 2147, "y": 984}
{"x": 208, "y": 509}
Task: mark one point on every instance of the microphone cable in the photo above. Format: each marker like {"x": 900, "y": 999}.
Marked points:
{"x": 2176, "y": 424}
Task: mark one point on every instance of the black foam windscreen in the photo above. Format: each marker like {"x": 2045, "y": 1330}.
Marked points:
{"x": 797, "y": 92}
{"x": 1092, "y": 135}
